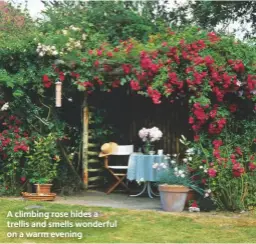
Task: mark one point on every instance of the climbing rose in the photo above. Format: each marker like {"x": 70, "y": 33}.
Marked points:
{"x": 196, "y": 138}
{"x": 237, "y": 170}
{"x": 46, "y": 81}
{"x": 233, "y": 108}
{"x": 61, "y": 76}
{"x": 155, "y": 95}
{"x": 238, "y": 151}
{"x": 23, "y": 179}
{"x": 96, "y": 63}
{"x": 127, "y": 68}
{"x": 212, "y": 173}
{"x": 252, "y": 166}
{"x": 212, "y": 37}
{"x": 191, "y": 120}
{"x": 135, "y": 85}
{"x": 194, "y": 204}
{"x": 217, "y": 143}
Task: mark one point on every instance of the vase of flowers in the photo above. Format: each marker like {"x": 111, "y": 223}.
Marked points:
{"x": 149, "y": 136}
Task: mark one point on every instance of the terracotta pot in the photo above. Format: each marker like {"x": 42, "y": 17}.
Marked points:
{"x": 173, "y": 197}
{"x": 43, "y": 188}
{"x": 190, "y": 197}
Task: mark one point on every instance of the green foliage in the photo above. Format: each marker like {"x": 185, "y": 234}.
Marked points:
{"x": 42, "y": 163}
{"x": 209, "y": 14}
{"x": 173, "y": 173}
{"x": 14, "y": 145}
{"x": 233, "y": 186}
{"x": 100, "y": 130}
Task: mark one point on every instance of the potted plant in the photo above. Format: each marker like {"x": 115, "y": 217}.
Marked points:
{"x": 41, "y": 165}
{"x": 174, "y": 184}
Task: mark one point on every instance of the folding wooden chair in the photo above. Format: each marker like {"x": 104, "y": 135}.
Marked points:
{"x": 120, "y": 177}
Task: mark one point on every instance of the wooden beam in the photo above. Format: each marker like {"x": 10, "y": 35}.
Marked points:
{"x": 94, "y": 178}
{"x": 90, "y": 153}
{"x": 85, "y": 123}
{"x": 95, "y": 170}
{"x": 93, "y": 145}
{"x": 91, "y": 161}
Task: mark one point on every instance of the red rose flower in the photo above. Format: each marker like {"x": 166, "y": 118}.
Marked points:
{"x": 217, "y": 143}
{"x": 46, "y": 81}
{"x": 154, "y": 94}
{"x": 191, "y": 120}
{"x": 212, "y": 172}
{"x": 213, "y": 37}
{"x": 194, "y": 204}
{"x": 45, "y": 78}
{"x": 75, "y": 75}
{"x": 127, "y": 68}
{"x": 237, "y": 170}
{"x": 23, "y": 179}
{"x": 233, "y": 108}
{"x": 61, "y": 76}
{"x": 110, "y": 54}
{"x": 204, "y": 181}
{"x": 238, "y": 151}
{"x": 216, "y": 153}
{"x": 96, "y": 63}
{"x": 134, "y": 85}
{"x": 196, "y": 138}
{"x": 252, "y": 166}
{"x": 233, "y": 156}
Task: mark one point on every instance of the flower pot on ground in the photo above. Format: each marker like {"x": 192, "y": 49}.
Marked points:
{"x": 42, "y": 163}
{"x": 43, "y": 188}
{"x": 174, "y": 184}
{"x": 173, "y": 197}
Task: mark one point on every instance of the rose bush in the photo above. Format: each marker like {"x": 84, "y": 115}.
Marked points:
{"x": 227, "y": 167}
{"x": 14, "y": 146}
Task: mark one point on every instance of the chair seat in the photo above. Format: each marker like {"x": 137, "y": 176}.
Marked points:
{"x": 118, "y": 167}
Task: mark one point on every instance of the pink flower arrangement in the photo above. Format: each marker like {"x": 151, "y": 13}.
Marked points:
{"x": 151, "y": 134}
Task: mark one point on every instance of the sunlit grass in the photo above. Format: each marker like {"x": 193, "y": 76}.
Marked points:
{"x": 136, "y": 226}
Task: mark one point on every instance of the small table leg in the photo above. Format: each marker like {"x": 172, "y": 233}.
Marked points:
{"x": 151, "y": 191}
{"x": 146, "y": 187}
{"x": 143, "y": 190}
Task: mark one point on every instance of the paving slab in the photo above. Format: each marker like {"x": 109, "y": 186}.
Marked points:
{"x": 114, "y": 200}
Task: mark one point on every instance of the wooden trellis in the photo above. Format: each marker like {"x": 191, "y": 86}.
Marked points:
{"x": 91, "y": 163}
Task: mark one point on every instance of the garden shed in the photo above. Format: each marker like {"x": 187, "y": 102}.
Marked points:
{"x": 124, "y": 115}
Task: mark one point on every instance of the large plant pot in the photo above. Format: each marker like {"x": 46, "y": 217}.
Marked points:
{"x": 43, "y": 188}
{"x": 173, "y": 197}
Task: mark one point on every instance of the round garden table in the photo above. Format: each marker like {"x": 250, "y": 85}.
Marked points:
{"x": 140, "y": 168}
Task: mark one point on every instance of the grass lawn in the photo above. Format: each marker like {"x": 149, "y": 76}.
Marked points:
{"x": 132, "y": 225}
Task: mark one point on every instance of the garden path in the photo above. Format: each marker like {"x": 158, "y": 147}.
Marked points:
{"x": 114, "y": 200}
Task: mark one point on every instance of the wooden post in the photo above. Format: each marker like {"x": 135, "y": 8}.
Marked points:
{"x": 177, "y": 145}
{"x": 85, "y": 122}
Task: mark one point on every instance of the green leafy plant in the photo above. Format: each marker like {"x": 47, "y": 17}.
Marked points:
{"x": 227, "y": 166}
{"x": 42, "y": 163}
{"x": 173, "y": 173}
